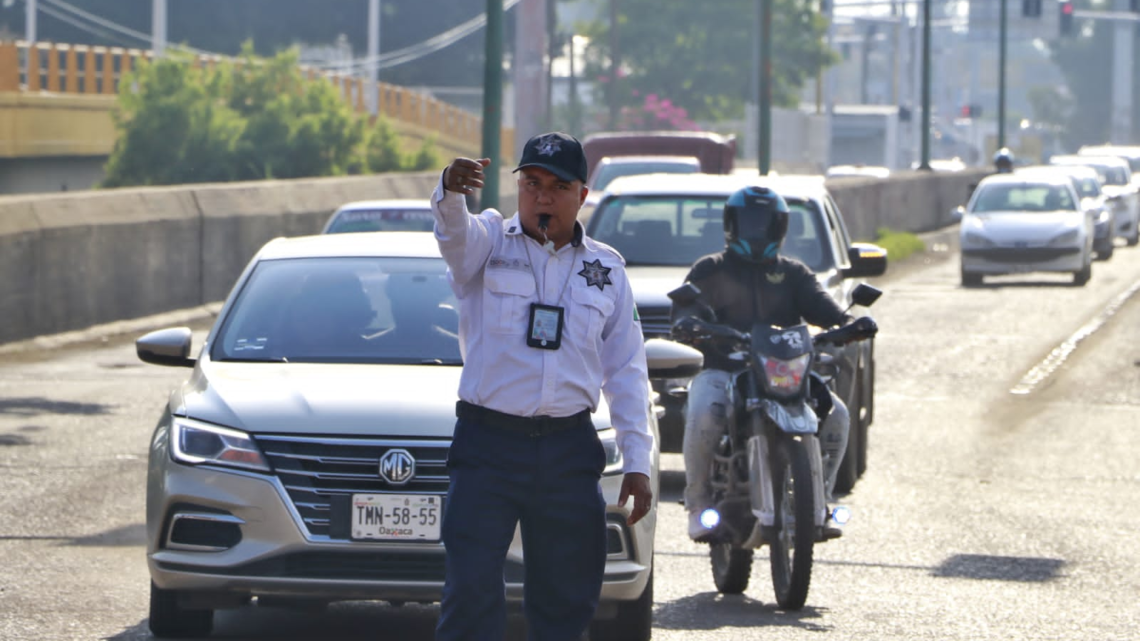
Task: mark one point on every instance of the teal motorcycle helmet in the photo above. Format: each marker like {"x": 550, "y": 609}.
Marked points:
{"x": 755, "y": 223}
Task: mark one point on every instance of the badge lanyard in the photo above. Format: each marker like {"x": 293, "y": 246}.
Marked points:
{"x": 544, "y": 330}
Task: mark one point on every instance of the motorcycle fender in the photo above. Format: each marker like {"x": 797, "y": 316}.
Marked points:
{"x": 760, "y": 481}
{"x": 795, "y": 418}
{"x": 815, "y": 461}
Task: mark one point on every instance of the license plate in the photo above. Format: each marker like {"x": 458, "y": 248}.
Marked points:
{"x": 396, "y": 517}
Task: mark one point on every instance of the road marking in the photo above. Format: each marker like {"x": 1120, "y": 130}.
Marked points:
{"x": 1043, "y": 370}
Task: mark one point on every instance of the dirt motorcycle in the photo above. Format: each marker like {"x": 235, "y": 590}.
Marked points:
{"x": 767, "y": 475}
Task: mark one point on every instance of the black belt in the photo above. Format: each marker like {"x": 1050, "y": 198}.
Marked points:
{"x": 528, "y": 425}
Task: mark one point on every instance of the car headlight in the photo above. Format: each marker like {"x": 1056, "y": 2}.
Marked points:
{"x": 608, "y": 438}
{"x": 196, "y": 443}
{"x": 977, "y": 240}
{"x": 1067, "y": 238}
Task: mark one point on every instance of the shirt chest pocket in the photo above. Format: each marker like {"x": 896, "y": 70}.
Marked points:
{"x": 586, "y": 320}
{"x": 506, "y": 301}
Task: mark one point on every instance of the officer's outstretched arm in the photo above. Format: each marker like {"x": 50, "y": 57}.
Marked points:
{"x": 465, "y": 240}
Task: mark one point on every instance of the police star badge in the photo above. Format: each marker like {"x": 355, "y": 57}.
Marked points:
{"x": 595, "y": 274}
{"x": 549, "y": 146}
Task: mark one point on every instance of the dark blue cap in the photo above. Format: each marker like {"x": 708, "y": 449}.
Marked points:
{"x": 560, "y": 154}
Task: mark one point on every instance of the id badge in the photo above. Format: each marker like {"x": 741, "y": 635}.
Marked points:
{"x": 545, "y": 329}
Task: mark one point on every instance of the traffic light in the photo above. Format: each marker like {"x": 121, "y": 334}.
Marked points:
{"x": 1032, "y": 8}
{"x": 1066, "y": 18}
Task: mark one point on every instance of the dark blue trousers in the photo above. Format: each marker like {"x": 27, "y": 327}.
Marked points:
{"x": 548, "y": 486}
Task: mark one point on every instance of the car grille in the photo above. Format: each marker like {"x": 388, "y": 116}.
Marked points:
{"x": 315, "y": 469}
{"x": 655, "y": 322}
{"x": 1021, "y": 254}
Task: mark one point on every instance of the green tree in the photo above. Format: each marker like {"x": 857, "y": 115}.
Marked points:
{"x": 173, "y": 127}
{"x": 698, "y": 55}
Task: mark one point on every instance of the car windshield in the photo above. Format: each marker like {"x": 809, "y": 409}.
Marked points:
{"x": 609, "y": 171}
{"x": 403, "y": 219}
{"x": 343, "y": 310}
{"x": 677, "y": 230}
{"x": 1023, "y": 197}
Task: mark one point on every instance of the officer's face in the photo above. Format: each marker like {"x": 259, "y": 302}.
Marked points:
{"x": 542, "y": 192}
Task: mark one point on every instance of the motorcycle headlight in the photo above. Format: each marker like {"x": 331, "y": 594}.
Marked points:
{"x": 1067, "y": 238}
{"x": 785, "y": 377}
{"x": 608, "y": 438}
{"x": 196, "y": 443}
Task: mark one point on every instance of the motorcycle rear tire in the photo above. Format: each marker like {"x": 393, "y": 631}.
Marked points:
{"x": 731, "y": 567}
{"x": 793, "y": 545}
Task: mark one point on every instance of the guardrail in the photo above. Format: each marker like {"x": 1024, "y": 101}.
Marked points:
{"x": 71, "y": 69}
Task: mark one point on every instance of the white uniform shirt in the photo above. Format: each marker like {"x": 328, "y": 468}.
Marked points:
{"x": 496, "y": 272}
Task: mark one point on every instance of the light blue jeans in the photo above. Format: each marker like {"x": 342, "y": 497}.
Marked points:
{"x": 711, "y": 405}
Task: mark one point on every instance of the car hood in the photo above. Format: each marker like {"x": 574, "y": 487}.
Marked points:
{"x": 651, "y": 285}
{"x": 1025, "y": 227}
{"x": 348, "y": 399}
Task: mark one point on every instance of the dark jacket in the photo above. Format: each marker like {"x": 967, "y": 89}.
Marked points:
{"x": 742, "y": 294}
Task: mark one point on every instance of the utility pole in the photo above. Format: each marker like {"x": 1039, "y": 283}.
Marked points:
{"x": 765, "y": 131}
{"x": 30, "y": 21}
{"x": 158, "y": 27}
{"x": 529, "y": 70}
{"x": 493, "y": 102}
{"x": 1003, "y": 37}
{"x": 373, "y": 55}
{"x": 925, "y": 131}
{"x": 1123, "y": 74}
{"x": 615, "y": 64}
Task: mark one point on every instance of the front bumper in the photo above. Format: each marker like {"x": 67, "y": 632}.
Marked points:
{"x": 1006, "y": 260}
{"x": 276, "y": 556}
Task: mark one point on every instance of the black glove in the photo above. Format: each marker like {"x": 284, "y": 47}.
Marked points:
{"x": 685, "y": 330}
{"x": 865, "y": 327}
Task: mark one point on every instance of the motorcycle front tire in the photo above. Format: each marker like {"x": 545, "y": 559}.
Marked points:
{"x": 731, "y": 567}
{"x": 793, "y": 543}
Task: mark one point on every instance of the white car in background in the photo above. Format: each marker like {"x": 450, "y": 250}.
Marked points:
{"x": 304, "y": 459}
{"x": 407, "y": 214}
{"x": 612, "y": 167}
{"x": 1017, "y": 223}
{"x": 1123, "y": 194}
{"x": 1088, "y": 184}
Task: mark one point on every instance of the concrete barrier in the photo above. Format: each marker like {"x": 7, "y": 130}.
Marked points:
{"x": 71, "y": 261}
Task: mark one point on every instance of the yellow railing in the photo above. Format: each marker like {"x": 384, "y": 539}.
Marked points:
{"x": 94, "y": 71}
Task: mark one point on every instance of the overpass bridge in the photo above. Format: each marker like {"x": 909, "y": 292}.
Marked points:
{"x": 56, "y": 100}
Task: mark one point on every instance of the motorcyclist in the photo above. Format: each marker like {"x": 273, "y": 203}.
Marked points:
{"x": 1003, "y": 161}
{"x": 748, "y": 283}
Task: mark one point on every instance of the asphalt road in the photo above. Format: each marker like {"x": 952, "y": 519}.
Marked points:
{"x": 984, "y": 514}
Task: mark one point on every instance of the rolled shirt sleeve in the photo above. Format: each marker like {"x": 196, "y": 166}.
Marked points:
{"x": 625, "y": 382}
{"x": 465, "y": 241}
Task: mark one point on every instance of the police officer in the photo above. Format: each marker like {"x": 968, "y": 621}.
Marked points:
{"x": 1003, "y": 161}
{"x": 547, "y": 322}
{"x": 749, "y": 283}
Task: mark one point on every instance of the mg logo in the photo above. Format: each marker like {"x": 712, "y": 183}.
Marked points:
{"x": 397, "y": 467}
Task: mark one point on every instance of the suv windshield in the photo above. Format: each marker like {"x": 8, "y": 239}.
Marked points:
{"x": 343, "y": 310}
{"x": 1023, "y": 197}
{"x": 406, "y": 219}
{"x": 677, "y": 230}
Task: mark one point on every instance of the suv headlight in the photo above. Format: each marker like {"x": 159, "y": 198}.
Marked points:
{"x": 608, "y": 437}
{"x": 196, "y": 443}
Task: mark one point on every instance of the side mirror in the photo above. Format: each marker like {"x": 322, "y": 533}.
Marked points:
{"x": 685, "y": 294}
{"x": 957, "y": 214}
{"x": 169, "y": 347}
{"x": 669, "y": 359}
{"x": 864, "y": 295}
{"x": 866, "y": 260}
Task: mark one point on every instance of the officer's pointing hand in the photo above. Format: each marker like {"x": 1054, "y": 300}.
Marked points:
{"x": 636, "y": 485}
{"x": 465, "y": 175}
